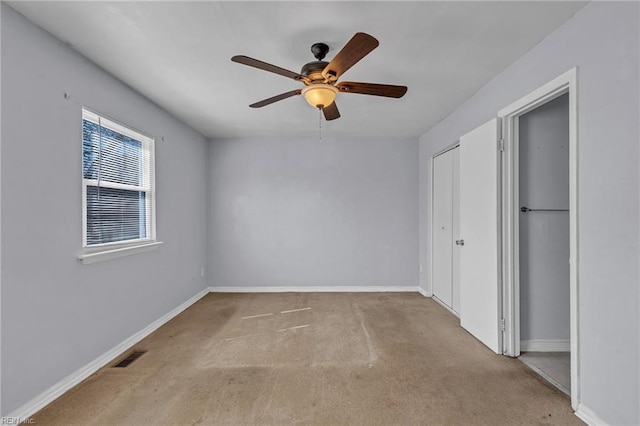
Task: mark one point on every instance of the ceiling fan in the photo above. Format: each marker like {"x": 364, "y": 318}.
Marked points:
{"x": 320, "y": 77}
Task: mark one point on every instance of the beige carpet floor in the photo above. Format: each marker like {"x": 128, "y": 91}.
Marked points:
{"x": 313, "y": 358}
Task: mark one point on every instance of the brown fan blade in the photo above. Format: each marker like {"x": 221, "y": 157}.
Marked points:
{"x": 331, "y": 112}
{"x": 387, "y": 90}
{"x": 276, "y": 98}
{"x": 357, "y": 48}
{"x": 245, "y": 60}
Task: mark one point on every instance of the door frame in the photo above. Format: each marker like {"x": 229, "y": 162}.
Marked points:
{"x": 564, "y": 84}
{"x": 455, "y": 145}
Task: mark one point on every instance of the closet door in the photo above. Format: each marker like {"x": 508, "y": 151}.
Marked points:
{"x": 442, "y": 227}
{"x": 455, "y": 261}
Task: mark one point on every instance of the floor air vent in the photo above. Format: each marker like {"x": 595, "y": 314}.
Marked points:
{"x": 129, "y": 359}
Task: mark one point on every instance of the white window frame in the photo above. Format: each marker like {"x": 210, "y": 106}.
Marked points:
{"x": 105, "y": 251}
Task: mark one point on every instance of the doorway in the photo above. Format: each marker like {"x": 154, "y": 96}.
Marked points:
{"x": 543, "y": 192}
{"x": 539, "y": 251}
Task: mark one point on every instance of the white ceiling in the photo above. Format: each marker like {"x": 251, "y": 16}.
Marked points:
{"x": 178, "y": 55}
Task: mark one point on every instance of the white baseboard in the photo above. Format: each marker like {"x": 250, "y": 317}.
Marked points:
{"x": 36, "y": 404}
{"x": 424, "y": 292}
{"x": 444, "y": 305}
{"x": 588, "y": 416}
{"x": 314, "y": 289}
{"x": 545, "y": 345}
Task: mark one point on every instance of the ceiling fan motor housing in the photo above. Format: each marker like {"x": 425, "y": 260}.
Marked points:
{"x": 315, "y": 67}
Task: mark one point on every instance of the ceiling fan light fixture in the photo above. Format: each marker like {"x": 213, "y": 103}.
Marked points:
{"x": 320, "y": 95}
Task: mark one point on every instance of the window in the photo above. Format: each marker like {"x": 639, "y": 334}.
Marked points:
{"x": 117, "y": 187}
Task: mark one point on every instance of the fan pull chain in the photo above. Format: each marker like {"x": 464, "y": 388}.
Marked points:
{"x": 320, "y": 123}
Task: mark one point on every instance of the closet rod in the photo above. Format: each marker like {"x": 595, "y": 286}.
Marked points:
{"x": 527, "y": 209}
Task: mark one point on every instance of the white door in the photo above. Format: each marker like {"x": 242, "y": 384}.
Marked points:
{"x": 442, "y": 227}
{"x": 455, "y": 262}
{"x": 479, "y": 286}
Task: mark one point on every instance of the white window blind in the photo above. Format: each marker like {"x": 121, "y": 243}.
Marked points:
{"x": 118, "y": 183}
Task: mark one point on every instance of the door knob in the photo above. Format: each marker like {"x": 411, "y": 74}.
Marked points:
{"x": 459, "y": 242}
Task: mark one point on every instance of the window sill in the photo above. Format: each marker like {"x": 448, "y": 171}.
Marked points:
{"x": 113, "y": 253}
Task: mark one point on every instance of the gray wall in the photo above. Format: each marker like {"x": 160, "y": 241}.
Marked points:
{"x": 304, "y": 212}
{"x": 544, "y": 236}
{"x": 602, "y": 39}
{"x": 58, "y": 314}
